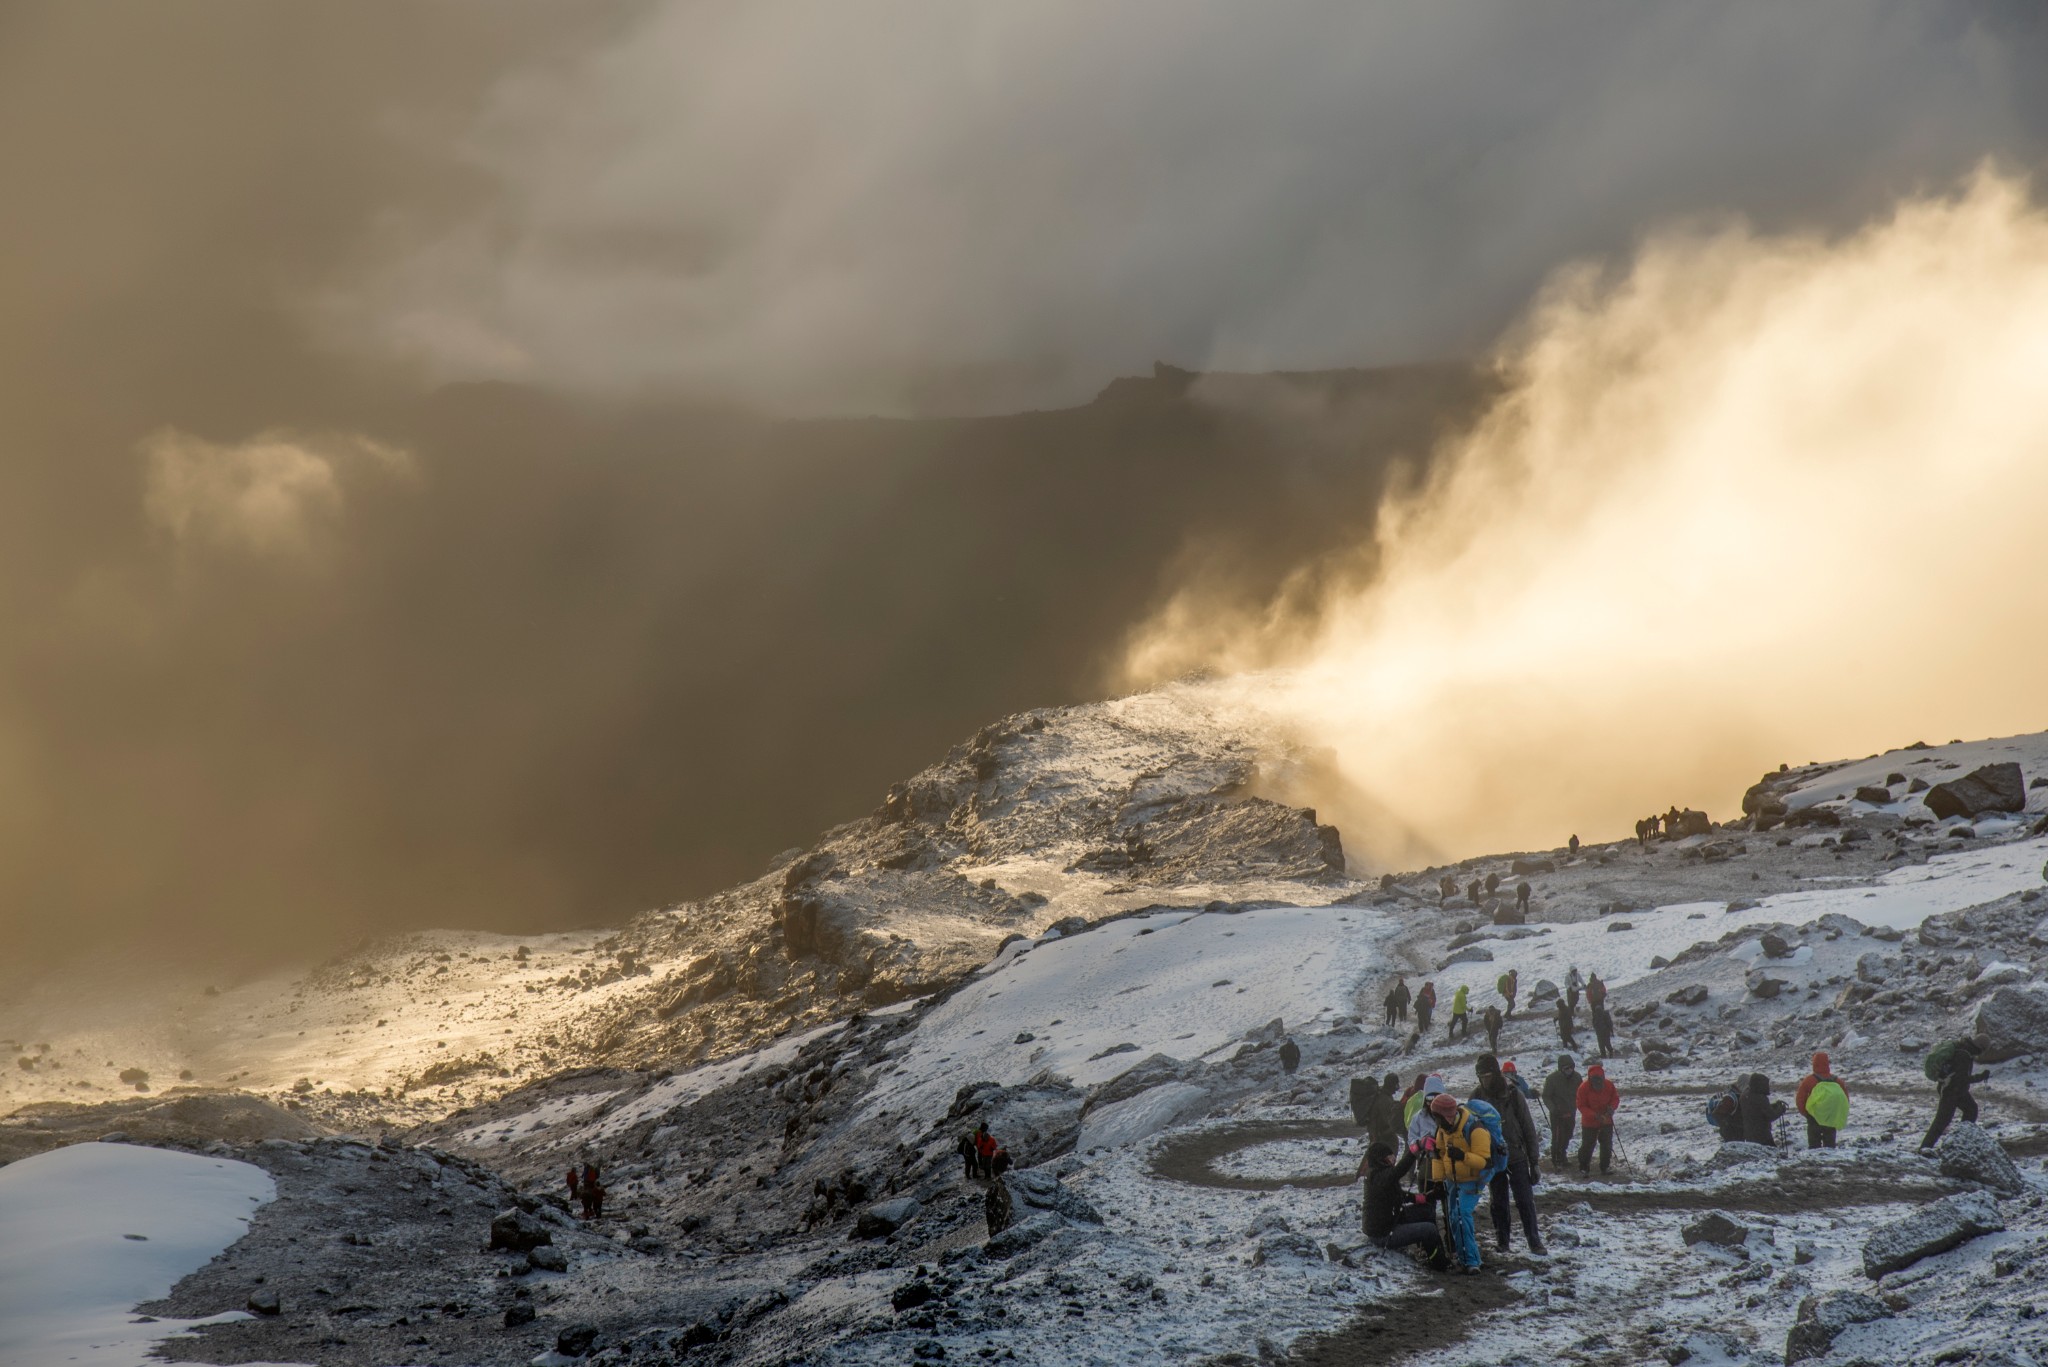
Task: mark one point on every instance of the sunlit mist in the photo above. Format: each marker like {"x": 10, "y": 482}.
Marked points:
{"x": 1749, "y": 499}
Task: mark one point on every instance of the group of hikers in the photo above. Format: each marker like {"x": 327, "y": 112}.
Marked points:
{"x": 1493, "y": 1018}
{"x": 586, "y": 1190}
{"x": 1480, "y": 889}
{"x": 986, "y": 1160}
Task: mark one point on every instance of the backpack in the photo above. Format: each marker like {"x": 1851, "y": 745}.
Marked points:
{"x": 1940, "y": 1062}
{"x": 1714, "y": 1105}
{"x": 1487, "y": 1118}
{"x": 1828, "y": 1104}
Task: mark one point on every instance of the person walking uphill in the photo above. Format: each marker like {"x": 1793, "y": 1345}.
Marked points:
{"x": 1573, "y": 981}
{"x": 1425, "y": 1007}
{"x": 1461, "y": 1020}
{"x": 1824, "y": 1101}
{"x": 1952, "y": 1066}
{"x": 1564, "y": 1024}
{"x": 1397, "y": 1002}
{"x": 1561, "y": 1099}
{"x": 1467, "y": 1157}
{"x": 1520, "y": 1177}
{"x": 1508, "y": 984}
{"x": 1490, "y": 1018}
{"x": 1603, "y": 1027}
{"x": 1598, "y": 1099}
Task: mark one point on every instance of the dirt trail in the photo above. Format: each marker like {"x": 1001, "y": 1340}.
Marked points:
{"x": 1399, "y": 1326}
{"x": 1192, "y": 1159}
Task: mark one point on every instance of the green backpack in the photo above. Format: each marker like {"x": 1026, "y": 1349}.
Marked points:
{"x": 1828, "y": 1104}
{"x": 1938, "y": 1062}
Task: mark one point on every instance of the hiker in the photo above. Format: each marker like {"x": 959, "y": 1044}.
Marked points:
{"x": 1397, "y": 1002}
{"x": 1290, "y": 1054}
{"x": 1469, "y": 1153}
{"x": 1724, "y": 1113}
{"x": 1414, "y": 1116}
{"x": 1561, "y": 1100}
{"x": 1492, "y": 1019}
{"x": 1447, "y": 888}
{"x": 1460, "y": 1019}
{"x": 1363, "y": 1091}
{"x": 574, "y": 1194}
{"x": 1472, "y": 891}
{"x": 593, "y": 1193}
{"x": 1383, "y": 1111}
{"x": 1492, "y": 883}
{"x": 1522, "y": 898}
{"x": 1520, "y": 1176}
{"x": 1425, "y": 1007}
{"x": 965, "y": 1148}
{"x": 996, "y": 1209}
{"x": 1509, "y": 1071}
{"x": 1508, "y": 984}
{"x": 1596, "y": 991}
{"x": 1951, "y": 1066}
{"x": 1759, "y": 1111}
{"x": 1572, "y": 983}
{"x": 1394, "y": 1220}
{"x": 1000, "y": 1164}
{"x": 1564, "y": 1023}
{"x": 1603, "y": 1026}
{"x": 1642, "y": 833}
{"x": 985, "y": 1147}
{"x": 1824, "y": 1101}
{"x": 1597, "y": 1101}
{"x": 1573, "y": 844}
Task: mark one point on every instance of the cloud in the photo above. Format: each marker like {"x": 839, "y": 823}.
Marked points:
{"x": 1753, "y": 498}
{"x": 824, "y": 207}
{"x": 273, "y": 494}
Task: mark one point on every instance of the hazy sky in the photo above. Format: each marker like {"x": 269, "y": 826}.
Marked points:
{"x": 294, "y": 642}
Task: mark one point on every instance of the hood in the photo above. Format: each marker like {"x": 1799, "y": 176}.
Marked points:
{"x": 1820, "y": 1065}
{"x": 1595, "y": 1073}
{"x": 1433, "y": 1084}
{"x": 1759, "y": 1084}
{"x": 1485, "y": 1064}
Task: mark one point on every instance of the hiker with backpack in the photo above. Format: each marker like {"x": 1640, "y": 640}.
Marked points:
{"x": 1952, "y": 1068}
{"x": 1383, "y": 1111}
{"x": 1564, "y": 1024}
{"x": 1597, "y": 1101}
{"x": 593, "y": 1193}
{"x": 985, "y": 1147}
{"x": 1461, "y": 1021}
{"x": 1414, "y": 1115}
{"x": 1561, "y": 1100}
{"x": 1425, "y": 1007}
{"x": 1392, "y": 1218}
{"x": 1824, "y": 1101}
{"x": 1397, "y": 1002}
{"x": 1759, "y": 1111}
{"x": 1596, "y": 991}
{"x": 1290, "y": 1055}
{"x": 1724, "y": 1113}
{"x": 965, "y": 1148}
{"x": 1522, "y": 899}
{"x": 1519, "y": 1178}
{"x": 1490, "y": 1018}
{"x": 1603, "y": 1026}
{"x": 1573, "y": 982}
{"x": 1467, "y": 1151}
{"x": 1508, "y": 984}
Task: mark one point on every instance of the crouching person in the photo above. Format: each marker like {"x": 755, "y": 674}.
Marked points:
{"x": 1395, "y": 1219}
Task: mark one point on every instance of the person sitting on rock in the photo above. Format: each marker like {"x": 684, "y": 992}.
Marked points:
{"x": 1392, "y": 1219}
{"x": 1824, "y": 1101}
{"x": 1952, "y": 1065}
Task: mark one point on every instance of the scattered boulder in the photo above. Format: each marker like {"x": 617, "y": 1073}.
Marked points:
{"x": 1621, "y": 925}
{"x": 1935, "y": 1228}
{"x": 1993, "y": 788}
{"x": 518, "y": 1231}
{"x": 1523, "y": 868}
{"x": 576, "y": 1340}
{"x": 138, "y": 1078}
{"x": 1764, "y": 985}
{"x": 1692, "y": 995}
{"x": 1874, "y": 795}
{"x": 1022, "y": 1235}
{"x": 1737, "y": 1152}
{"x": 1274, "y": 1247}
{"x": 516, "y": 1315}
{"x": 909, "y": 1296}
{"x": 1043, "y": 1190}
{"x": 2013, "y": 1021}
{"x": 547, "y": 1258}
{"x": 1821, "y": 1320}
{"x": 1775, "y": 946}
{"x": 1470, "y": 954}
{"x": 884, "y": 1218}
{"x": 264, "y": 1301}
{"x": 1715, "y": 1227}
{"x": 1968, "y": 1153}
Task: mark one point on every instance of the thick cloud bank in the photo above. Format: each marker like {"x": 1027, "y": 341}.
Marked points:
{"x": 1753, "y": 498}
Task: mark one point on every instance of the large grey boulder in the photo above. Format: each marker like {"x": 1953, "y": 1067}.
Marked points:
{"x": 1715, "y": 1227}
{"x": 1019, "y": 1237}
{"x": 519, "y": 1231}
{"x": 1937, "y": 1228}
{"x": 1993, "y": 788}
{"x": 1821, "y": 1320}
{"x": 1042, "y": 1190}
{"x": 2015, "y": 1021}
{"x": 1968, "y": 1153}
{"x": 1470, "y": 954}
{"x": 884, "y": 1218}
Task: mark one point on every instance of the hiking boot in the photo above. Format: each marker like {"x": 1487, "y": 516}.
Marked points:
{"x": 1536, "y": 1246}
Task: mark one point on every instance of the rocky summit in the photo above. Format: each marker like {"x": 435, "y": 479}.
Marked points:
{"x": 1068, "y": 1052}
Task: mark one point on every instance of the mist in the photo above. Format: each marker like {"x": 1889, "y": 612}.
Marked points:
{"x": 1747, "y": 499}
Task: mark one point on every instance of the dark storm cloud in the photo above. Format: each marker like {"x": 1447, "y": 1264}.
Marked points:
{"x": 292, "y": 646}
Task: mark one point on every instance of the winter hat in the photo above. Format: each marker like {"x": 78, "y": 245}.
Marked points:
{"x": 1433, "y": 1086}
{"x": 1594, "y": 1070}
{"x": 1484, "y": 1064}
{"x": 1820, "y": 1063}
{"x": 1379, "y": 1153}
{"x": 1443, "y": 1104}
{"x": 1508, "y": 1067}
{"x": 1391, "y": 1084}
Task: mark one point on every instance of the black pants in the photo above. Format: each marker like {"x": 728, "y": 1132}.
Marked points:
{"x": 1818, "y": 1136}
{"x": 1393, "y": 1014}
{"x": 1418, "y": 1234}
{"x": 1606, "y": 1042}
{"x": 1952, "y": 1105}
{"x": 1603, "y": 1135}
{"x": 1561, "y": 1139}
{"x": 1460, "y": 1024}
{"x": 1422, "y": 1018}
{"x": 1514, "y": 1181}
{"x": 1493, "y": 1039}
{"x": 1565, "y": 1037}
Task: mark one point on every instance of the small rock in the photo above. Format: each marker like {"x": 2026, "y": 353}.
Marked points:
{"x": 1523, "y": 868}
{"x": 885, "y": 1218}
{"x": 1775, "y": 946}
{"x": 516, "y": 1315}
{"x": 547, "y": 1258}
{"x": 518, "y": 1231}
{"x": 264, "y": 1301}
{"x": 1765, "y": 986}
{"x": 910, "y": 1295}
{"x": 1737, "y": 1152}
{"x": 576, "y": 1340}
{"x": 1715, "y": 1227}
{"x": 1692, "y": 995}
{"x": 1659, "y": 961}
{"x": 1024, "y": 1037}
{"x": 1621, "y": 925}
{"x": 1874, "y": 795}
{"x": 1822, "y": 1319}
